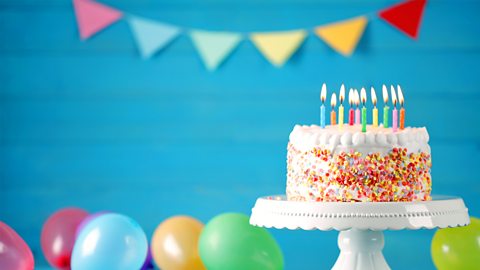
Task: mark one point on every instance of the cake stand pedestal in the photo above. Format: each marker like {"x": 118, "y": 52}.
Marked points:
{"x": 360, "y": 224}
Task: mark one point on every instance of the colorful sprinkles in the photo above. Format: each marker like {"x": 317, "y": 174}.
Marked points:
{"x": 317, "y": 175}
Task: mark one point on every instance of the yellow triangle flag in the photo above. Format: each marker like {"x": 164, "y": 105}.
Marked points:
{"x": 278, "y": 47}
{"x": 343, "y": 36}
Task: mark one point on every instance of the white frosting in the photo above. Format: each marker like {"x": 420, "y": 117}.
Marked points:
{"x": 376, "y": 139}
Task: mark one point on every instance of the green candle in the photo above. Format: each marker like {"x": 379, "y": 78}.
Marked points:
{"x": 385, "y": 108}
{"x": 363, "y": 95}
{"x": 385, "y": 116}
{"x": 364, "y": 119}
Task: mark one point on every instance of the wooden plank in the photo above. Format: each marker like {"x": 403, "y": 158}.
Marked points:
{"x": 157, "y": 166}
{"x": 111, "y": 167}
{"x": 45, "y": 37}
{"x": 246, "y": 73}
{"x": 172, "y": 121}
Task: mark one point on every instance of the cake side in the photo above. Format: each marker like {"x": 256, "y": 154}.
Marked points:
{"x": 344, "y": 164}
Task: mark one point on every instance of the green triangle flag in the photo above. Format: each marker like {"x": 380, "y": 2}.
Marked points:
{"x": 214, "y": 47}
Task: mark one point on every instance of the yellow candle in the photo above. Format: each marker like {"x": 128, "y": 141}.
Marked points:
{"x": 340, "y": 108}
{"x": 374, "y": 111}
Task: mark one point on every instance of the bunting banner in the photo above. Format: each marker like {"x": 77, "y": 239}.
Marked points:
{"x": 152, "y": 36}
{"x": 405, "y": 16}
{"x": 343, "y": 36}
{"x": 214, "y": 47}
{"x": 278, "y": 47}
{"x": 93, "y": 17}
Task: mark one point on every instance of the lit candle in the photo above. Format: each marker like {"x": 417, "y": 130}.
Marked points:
{"x": 394, "y": 112}
{"x": 374, "y": 111}
{"x": 340, "y": 108}
{"x": 333, "y": 114}
{"x": 357, "y": 111}
{"x": 363, "y": 94}
{"x": 402, "y": 110}
{"x": 350, "y": 112}
{"x": 385, "y": 108}
{"x": 323, "y": 96}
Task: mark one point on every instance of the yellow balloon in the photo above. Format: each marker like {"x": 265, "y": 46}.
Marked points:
{"x": 175, "y": 244}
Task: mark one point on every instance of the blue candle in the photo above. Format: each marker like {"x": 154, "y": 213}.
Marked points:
{"x": 323, "y": 96}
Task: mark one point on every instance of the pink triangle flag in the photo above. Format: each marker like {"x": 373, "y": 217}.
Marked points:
{"x": 93, "y": 17}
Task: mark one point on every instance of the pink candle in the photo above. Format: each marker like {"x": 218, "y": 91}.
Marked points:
{"x": 350, "y": 117}
{"x": 351, "y": 112}
{"x": 394, "y": 112}
{"x": 357, "y": 111}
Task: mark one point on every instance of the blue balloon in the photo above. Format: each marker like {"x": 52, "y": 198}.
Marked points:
{"x": 110, "y": 241}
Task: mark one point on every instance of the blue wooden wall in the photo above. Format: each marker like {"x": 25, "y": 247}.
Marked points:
{"x": 90, "y": 124}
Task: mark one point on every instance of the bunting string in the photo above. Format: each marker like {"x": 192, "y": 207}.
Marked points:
{"x": 214, "y": 47}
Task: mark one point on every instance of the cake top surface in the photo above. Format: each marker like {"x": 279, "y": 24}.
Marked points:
{"x": 345, "y": 138}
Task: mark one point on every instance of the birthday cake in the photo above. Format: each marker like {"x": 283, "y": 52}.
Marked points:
{"x": 358, "y": 163}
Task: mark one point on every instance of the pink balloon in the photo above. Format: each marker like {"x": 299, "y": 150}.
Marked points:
{"x": 14, "y": 252}
{"x": 58, "y": 236}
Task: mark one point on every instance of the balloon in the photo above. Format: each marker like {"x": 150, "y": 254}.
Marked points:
{"x": 110, "y": 241}
{"x": 175, "y": 244}
{"x": 148, "y": 264}
{"x": 58, "y": 236}
{"x": 14, "y": 252}
{"x": 457, "y": 248}
{"x": 229, "y": 242}
{"x": 86, "y": 220}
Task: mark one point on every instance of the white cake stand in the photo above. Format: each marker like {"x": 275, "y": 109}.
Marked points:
{"x": 360, "y": 224}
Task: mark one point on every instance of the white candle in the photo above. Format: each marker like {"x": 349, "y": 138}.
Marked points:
{"x": 357, "y": 111}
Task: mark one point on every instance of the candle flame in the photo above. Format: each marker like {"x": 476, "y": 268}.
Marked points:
{"x": 400, "y": 95}
{"x": 342, "y": 94}
{"x": 385, "y": 94}
{"x": 363, "y": 95}
{"x": 357, "y": 98}
{"x": 333, "y": 101}
{"x": 350, "y": 97}
{"x": 394, "y": 96}
{"x": 374, "y": 96}
{"x": 323, "y": 93}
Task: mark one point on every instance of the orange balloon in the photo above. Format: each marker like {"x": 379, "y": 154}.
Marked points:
{"x": 175, "y": 244}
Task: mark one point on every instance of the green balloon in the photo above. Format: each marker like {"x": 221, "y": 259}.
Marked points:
{"x": 457, "y": 248}
{"x": 229, "y": 242}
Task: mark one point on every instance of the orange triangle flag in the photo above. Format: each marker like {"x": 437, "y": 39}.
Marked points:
{"x": 343, "y": 36}
{"x": 405, "y": 16}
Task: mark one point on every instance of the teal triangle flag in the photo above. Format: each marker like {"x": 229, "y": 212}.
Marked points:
{"x": 151, "y": 36}
{"x": 214, "y": 47}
